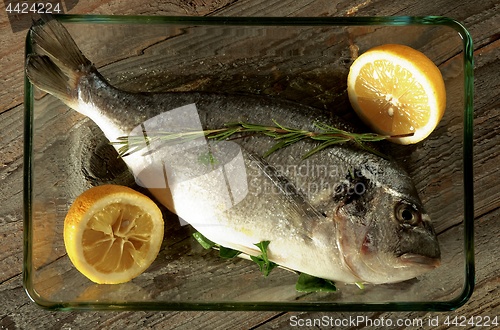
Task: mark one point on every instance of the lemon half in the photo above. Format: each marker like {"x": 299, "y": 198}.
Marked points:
{"x": 397, "y": 90}
{"x": 113, "y": 233}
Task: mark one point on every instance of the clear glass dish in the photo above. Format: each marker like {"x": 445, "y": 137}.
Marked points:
{"x": 300, "y": 59}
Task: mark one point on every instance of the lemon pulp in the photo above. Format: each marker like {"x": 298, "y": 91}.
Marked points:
{"x": 397, "y": 90}
{"x": 113, "y": 233}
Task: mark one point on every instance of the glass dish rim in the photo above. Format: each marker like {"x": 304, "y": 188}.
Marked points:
{"x": 467, "y": 164}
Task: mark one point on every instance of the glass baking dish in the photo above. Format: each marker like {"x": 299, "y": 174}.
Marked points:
{"x": 305, "y": 60}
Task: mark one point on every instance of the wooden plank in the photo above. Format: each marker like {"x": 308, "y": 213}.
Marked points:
{"x": 14, "y": 31}
{"x": 486, "y": 112}
{"x": 11, "y": 177}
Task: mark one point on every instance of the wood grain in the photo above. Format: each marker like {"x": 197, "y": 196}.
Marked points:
{"x": 482, "y": 21}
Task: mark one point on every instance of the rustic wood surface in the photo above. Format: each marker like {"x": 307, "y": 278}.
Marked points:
{"x": 481, "y": 18}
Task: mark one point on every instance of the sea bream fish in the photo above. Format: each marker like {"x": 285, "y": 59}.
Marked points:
{"x": 342, "y": 214}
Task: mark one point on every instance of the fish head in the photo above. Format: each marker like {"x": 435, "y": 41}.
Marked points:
{"x": 384, "y": 233}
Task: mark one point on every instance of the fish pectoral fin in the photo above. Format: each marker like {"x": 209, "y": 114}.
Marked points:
{"x": 301, "y": 212}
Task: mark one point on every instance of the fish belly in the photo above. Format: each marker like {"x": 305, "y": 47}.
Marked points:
{"x": 224, "y": 190}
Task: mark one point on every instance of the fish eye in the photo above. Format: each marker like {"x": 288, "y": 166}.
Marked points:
{"x": 407, "y": 214}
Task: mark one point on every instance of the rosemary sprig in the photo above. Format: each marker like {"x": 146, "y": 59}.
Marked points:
{"x": 285, "y": 136}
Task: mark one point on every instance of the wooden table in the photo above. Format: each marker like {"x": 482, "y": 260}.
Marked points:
{"x": 481, "y": 18}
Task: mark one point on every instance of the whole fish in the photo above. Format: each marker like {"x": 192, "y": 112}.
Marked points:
{"x": 342, "y": 214}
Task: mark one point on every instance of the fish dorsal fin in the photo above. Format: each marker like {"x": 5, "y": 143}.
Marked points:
{"x": 302, "y": 213}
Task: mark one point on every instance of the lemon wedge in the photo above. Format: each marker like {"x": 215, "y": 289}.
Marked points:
{"x": 397, "y": 90}
{"x": 113, "y": 233}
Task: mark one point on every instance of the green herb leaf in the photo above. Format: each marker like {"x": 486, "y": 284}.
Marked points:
{"x": 265, "y": 266}
{"x": 224, "y": 252}
{"x": 309, "y": 283}
{"x": 324, "y": 145}
{"x": 284, "y": 136}
{"x": 207, "y": 158}
{"x": 205, "y": 242}
{"x": 228, "y": 253}
{"x": 262, "y": 260}
{"x": 305, "y": 282}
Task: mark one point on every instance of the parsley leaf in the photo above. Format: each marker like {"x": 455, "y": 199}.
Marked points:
{"x": 208, "y": 158}
{"x": 262, "y": 260}
{"x": 309, "y": 283}
{"x": 205, "y": 242}
{"x": 305, "y": 282}
{"x": 228, "y": 253}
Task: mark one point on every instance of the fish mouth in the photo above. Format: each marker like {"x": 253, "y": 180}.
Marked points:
{"x": 413, "y": 258}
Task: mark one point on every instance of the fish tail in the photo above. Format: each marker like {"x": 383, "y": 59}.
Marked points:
{"x": 58, "y": 64}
